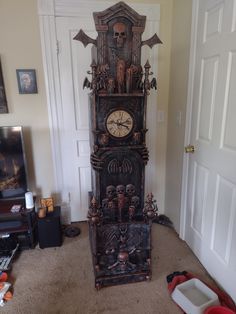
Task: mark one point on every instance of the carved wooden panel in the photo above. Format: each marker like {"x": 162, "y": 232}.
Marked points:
{"x": 120, "y": 220}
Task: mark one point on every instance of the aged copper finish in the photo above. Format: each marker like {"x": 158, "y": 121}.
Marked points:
{"x": 119, "y": 218}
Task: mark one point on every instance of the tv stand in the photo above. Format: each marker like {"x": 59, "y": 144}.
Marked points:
{"x": 22, "y": 224}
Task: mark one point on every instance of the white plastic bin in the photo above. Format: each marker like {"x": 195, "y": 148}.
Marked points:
{"x": 193, "y": 296}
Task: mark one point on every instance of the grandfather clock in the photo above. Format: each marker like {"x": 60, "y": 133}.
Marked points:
{"x": 119, "y": 217}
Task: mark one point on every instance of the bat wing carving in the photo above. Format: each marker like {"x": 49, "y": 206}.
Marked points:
{"x": 153, "y": 83}
{"x": 113, "y": 166}
{"x": 152, "y": 41}
{"x": 127, "y": 166}
{"x": 85, "y": 39}
{"x": 87, "y": 83}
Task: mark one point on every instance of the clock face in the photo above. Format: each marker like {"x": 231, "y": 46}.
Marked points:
{"x": 119, "y": 123}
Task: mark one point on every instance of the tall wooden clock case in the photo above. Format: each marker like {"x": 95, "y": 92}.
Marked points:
{"x": 119, "y": 217}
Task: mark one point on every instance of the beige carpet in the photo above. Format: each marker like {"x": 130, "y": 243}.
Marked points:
{"x": 60, "y": 280}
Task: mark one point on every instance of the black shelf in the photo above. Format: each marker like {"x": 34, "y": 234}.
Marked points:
{"x": 22, "y": 224}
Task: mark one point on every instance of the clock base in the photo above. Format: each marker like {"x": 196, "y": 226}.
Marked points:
{"x": 121, "y": 252}
{"x": 103, "y": 282}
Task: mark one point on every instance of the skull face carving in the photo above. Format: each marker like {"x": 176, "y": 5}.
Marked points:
{"x": 110, "y": 191}
{"x": 130, "y": 190}
{"x": 123, "y": 257}
{"x": 135, "y": 201}
{"x": 119, "y": 33}
{"x": 120, "y": 189}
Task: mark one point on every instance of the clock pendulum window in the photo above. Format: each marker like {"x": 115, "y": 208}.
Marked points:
{"x": 119, "y": 217}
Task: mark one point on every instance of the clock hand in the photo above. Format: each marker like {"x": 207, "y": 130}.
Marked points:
{"x": 126, "y": 121}
{"x": 122, "y": 124}
{"x": 119, "y": 123}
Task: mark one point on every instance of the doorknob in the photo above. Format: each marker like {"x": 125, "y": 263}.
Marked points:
{"x": 189, "y": 149}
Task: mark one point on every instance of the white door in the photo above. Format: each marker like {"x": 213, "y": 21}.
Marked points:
{"x": 210, "y": 221}
{"x": 74, "y": 62}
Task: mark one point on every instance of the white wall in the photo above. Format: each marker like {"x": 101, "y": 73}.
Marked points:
{"x": 20, "y": 49}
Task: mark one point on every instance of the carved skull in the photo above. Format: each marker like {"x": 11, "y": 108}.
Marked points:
{"x": 135, "y": 201}
{"x": 123, "y": 257}
{"x": 110, "y": 191}
{"x": 120, "y": 189}
{"x": 130, "y": 190}
{"x": 119, "y": 30}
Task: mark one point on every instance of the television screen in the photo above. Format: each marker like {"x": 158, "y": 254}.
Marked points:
{"x": 13, "y": 178}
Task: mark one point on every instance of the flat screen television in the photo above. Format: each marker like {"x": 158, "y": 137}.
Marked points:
{"x": 13, "y": 172}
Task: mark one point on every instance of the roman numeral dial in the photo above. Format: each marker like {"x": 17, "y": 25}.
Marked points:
{"x": 119, "y": 123}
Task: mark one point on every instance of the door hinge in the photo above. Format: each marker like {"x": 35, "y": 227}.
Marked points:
{"x": 69, "y": 197}
{"x": 57, "y": 46}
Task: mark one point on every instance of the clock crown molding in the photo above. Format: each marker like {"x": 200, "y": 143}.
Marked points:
{"x": 119, "y": 9}
{"x": 118, "y": 45}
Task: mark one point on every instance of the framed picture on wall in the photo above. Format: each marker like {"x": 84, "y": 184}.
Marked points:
{"x": 3, "y": 99}
{"x": 26, "y": 79}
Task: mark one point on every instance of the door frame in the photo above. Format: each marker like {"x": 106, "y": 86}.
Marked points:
{"x": 48, "y": 11}
{"x": 188, "y": 119}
